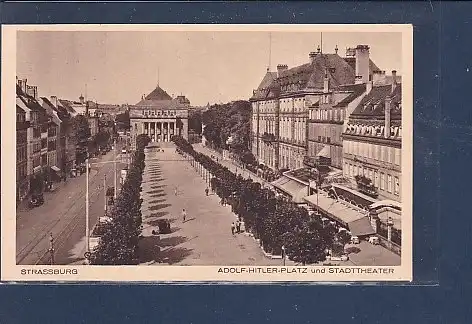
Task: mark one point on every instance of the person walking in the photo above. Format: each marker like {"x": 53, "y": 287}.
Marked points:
{"x": 233, "y": 227}
{"x": 184, "y": 214}
{"x": 238, "y": 226}
{"x": 206, "y": 191}
{"x": 175, "y": 191}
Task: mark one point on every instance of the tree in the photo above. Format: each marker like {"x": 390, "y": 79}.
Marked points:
{"x": 82, "y": 132}
{"x": 123, "y": 121}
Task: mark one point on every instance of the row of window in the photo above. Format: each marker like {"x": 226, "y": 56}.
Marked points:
{"x": 21, "y": 154}
{"x": 21, "y": 137}
{"x": 327, "y": 114}
{"x": 21, "y": 171}
{"x": 380, "y": 180}
{"x": 373, "y": 151}
{"x": 325, "y": 133}
{"x": 286, "y": 129}
{"x": 158, "y": 113}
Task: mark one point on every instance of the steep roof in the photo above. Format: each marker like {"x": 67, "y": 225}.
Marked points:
{"x": 311, "y": 75}
{"x": 355, "y": 89}
{"x": 262, "y": 90}
{"x": 373, "y": 104}
{"x": 67, "y": 104}
{"x": 158, "y": 94}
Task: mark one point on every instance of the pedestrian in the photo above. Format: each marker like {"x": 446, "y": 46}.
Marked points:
{"x": 238, "y": 226}
{"x": 184, "y": 214}
{"x": 206, "y": 191}
{"x": 233, "y": 227}
{"x": 175, "y": 191}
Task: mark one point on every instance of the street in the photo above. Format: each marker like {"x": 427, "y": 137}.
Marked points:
{"x": 63, "y": 216}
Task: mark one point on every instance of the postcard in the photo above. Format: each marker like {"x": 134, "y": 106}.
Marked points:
{"x": 207, "y": 153}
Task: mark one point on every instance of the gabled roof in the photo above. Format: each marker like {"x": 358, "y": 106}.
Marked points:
{"x": 158, "y": 94}
{"x": 373, "y": 104}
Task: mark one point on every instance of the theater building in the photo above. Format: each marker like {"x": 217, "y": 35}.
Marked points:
{"x": 160, "y": 116}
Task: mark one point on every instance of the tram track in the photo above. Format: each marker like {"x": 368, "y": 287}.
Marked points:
{"x": 71, "y": 220}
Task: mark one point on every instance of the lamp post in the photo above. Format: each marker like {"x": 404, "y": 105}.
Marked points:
{"x": 87, "y": 234}
{"x": 51, "y": 248}
{"x": 114, "y": 171}
{"x": 283, "y": 254}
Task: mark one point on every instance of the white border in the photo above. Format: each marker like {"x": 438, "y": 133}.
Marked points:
{"x": 12, "y": 272}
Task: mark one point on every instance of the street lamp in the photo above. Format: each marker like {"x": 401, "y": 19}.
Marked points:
{"x": 283, "y": 254}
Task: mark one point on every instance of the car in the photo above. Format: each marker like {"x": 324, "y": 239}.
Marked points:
{"x": 123, "y": 151}
{"x": 36, "y": 200}
{"x": 374, "y": 240}
{"x": 355, "y": 240}
{"x": 337, "y": 258}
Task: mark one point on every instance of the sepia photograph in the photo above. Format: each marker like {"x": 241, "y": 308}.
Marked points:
{"x": 214, "y": 153}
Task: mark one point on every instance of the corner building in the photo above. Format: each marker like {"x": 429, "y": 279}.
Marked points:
{"x": 283, "y": 99}
{"x": 159, "y": 116}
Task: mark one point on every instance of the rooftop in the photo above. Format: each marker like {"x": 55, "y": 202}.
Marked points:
{"x": 373, "y": 104}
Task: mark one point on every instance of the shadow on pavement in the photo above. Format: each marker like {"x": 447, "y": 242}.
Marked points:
{"x": 158, "y": 187}
{"x": 151, "y": 192}
{"x": 157, "y": 195}
{"x": 157, "y": 201}
{"x": 160, "y": 206}
{"x": 149, "y": 249}
{"x": 172, "y": 241}
{"x": 174, "y": 255}
{"x": 352, "y": 249}
{"x": 189, "y": 220}
{"x": 158, "y": 214}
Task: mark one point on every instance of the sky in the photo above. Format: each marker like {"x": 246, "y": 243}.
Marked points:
{"x": 117, "y": 67}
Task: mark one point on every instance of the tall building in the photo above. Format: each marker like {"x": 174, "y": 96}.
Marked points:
{"x": 160, "y": 116}
{"x": 280, "y": 105}
{"x": 22, "y": 174}
{"x": 372, "y": 140}
{"x": 327, "y": 119}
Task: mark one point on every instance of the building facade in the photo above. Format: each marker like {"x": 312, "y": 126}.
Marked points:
{"x": 372, "y": 140}
{"x": 22, "y": 176}
{"x": 327, "y": 119}
{"x": 160, "y": 116}
{"x": 281, "y": 103}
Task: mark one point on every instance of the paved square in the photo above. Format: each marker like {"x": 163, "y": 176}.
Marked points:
{"x": 205, "y": 237}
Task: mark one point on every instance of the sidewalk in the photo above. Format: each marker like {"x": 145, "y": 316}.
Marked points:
{"x": 230, "y": 164}
{"x": 205, "y": 237}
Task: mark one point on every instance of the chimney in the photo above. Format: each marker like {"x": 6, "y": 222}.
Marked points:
{"x": 379, "y": 77}
{"x": 281, "y": 68}
{"x": 326, "y": 82}
{"x": 394, "y": 80}
{"x": 388, "y": 102}
{"x": 312, "y": 56}
{"x": 54, "y": 100}
{"x": 362, "y": 63}
{"x": 368, "y": 87}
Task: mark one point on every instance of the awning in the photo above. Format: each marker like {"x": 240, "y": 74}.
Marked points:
{"x": 55, "y": 168}
{"x": 293, "y": 188}
{"x": 361, "y": 227}
{"x": 343, "y": 213}
{"x": 386, "y": 203}
{"x": 325, "y": 152}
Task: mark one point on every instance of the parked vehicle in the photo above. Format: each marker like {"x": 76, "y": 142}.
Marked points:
{"x": 374, "y": 240}
{"x": 36, "y": 200}
{"x": 123, "y": 151}
{"x": 355, "y": 240}
{"x": 337, "y": 258}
